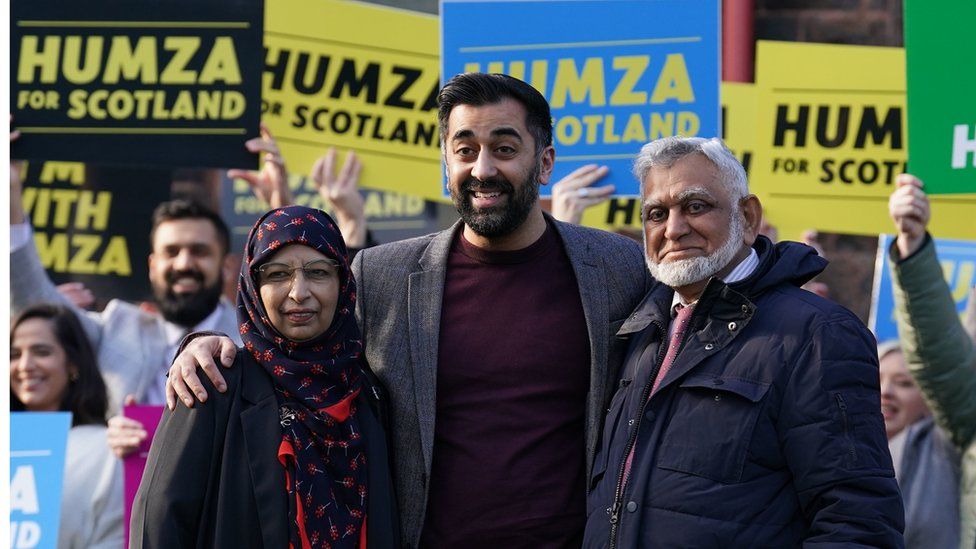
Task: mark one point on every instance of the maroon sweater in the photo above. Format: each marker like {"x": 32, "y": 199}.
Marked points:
{"x": 512, "y": 379}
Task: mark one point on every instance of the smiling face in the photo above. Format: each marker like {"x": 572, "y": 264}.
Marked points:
{"x": 299, "y": 305}
{"x": 39, "y": 368}
{"x": 493, "y": 170}
{"x": 694, "y": 228}
{"x": 185, "y": 269}
{"x": 901, "y": 399}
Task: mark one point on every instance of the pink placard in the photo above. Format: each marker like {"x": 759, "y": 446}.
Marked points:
{"x": 135, "y": 462}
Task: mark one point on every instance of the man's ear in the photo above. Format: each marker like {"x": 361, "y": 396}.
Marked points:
{"x": 548, "y": 160}
{"x": 752, "y": 214}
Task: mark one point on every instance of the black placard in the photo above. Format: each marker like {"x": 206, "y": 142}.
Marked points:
{"x": 91, "y": 224}
{"x": 136, "y": 82}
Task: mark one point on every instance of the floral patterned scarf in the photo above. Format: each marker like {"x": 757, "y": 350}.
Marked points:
{"x": 316, "y": 382}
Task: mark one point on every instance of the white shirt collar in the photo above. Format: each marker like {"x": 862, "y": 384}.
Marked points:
{"x": 741, "y": 272}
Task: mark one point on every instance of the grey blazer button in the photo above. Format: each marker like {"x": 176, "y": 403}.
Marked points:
{"x": 632, "y": 506}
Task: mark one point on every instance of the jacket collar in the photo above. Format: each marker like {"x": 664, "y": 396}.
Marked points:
{"x": 434, "y": 257}
{"x": 656, "y": 305}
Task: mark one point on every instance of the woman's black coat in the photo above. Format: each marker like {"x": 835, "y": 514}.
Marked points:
{"x": 213, "y": 478}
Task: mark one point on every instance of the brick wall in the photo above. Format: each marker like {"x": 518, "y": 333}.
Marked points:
{"x": 865, "y": 22}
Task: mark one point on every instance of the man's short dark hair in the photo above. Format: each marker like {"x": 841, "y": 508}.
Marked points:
{"x": 478, "y": 89}
{"x": 188, "y": 209}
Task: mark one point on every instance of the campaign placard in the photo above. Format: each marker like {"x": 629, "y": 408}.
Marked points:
{"x": 831, "y": 139}
{"x": 958, "y": 260}
{"x": 390, "y": 216}
{"x": 355, "y": 76}
{"x": 738, "y": 132}
{"x": 38, "y": 441}
{"x": 91, "y": 224}
{"x": 616, "y": 74}
{"x": 739, "y": 108}
{"x": 941, "y": 94}
{"x": 127, "y": 82}
{"x": 135, "y": 463}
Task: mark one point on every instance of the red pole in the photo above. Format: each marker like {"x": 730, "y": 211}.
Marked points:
{"x": 738, "y": 40}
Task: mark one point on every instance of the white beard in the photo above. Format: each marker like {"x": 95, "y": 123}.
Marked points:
{"x": 684, "y": 272}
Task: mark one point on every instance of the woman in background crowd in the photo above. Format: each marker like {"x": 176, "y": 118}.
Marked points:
{"x": 926, "y": 463}
{"x": 52, "y": 368}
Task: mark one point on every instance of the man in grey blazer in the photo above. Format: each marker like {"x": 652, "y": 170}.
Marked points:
{"x": 187, "y": 268}
{"x": 495, "y": 338}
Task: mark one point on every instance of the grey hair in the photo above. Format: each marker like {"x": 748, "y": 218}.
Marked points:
{"x": 667, "y": 151}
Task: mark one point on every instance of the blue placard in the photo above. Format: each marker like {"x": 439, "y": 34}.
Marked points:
{"x": 617, "y": 74}
{"x": 958, "y": 260}
{"x": 37, "y": 449}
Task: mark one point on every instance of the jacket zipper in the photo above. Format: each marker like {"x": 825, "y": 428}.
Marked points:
{"x": 847, "y": 428}
{"x": 645, "y": 393}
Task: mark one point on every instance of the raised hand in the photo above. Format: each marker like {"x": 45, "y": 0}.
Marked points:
{"x": 342, "y": 192}
{"x": 575, "y": 193}
{"x": 271, "y": 183}
{"x": 909, "y": 208}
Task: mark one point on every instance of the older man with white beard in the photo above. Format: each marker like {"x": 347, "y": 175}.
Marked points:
{"x": 747, "y": 411}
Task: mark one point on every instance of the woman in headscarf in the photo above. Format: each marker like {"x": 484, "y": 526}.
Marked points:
{"x": 292, "y": 454}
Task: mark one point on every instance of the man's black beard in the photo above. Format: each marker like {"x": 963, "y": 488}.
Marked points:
{"x": 500, "y": 220}
{"x": 187, "y": 309}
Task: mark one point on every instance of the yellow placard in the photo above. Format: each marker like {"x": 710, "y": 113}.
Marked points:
{"x": 355, "y": 76}
{"x": 738, "y": 131}
{"x": 739, "y": 105}
{"x": 831, "y": 138}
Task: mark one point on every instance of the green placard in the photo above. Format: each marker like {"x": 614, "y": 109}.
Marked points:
{"x": 941, "y": 94}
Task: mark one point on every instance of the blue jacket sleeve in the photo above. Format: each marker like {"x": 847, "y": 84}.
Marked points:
{"x": 833, "y": 436}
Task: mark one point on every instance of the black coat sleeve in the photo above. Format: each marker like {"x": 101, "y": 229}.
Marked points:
{"x": 180, "y": 475}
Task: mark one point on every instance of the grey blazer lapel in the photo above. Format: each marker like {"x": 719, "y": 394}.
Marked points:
{"x": 426, "y": 292}
{"x": 590, "y": 276}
